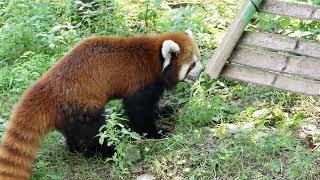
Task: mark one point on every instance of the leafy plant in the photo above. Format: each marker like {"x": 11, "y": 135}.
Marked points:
{"x": 118, "y": 135}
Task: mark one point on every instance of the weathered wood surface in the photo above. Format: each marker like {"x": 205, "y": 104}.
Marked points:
{"x": 281, "y": 43}
{"x": 230, "y": 40}
{"x": 279, "y": 81}
{"x": 303, "y": 66}
{"x": 290, "y": 9}
{"x": 258, "y": 58}
{"x": 248, "y": 74}
{"x": 279, "y": 62}
{"x": 297, "y": 85}
{"x": 308, "y": 48}
{"x": 269, "y": 59}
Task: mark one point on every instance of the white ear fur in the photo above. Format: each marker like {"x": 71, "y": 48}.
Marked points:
{"x": 168, "y": 47}
{"x": 189, "y": 32}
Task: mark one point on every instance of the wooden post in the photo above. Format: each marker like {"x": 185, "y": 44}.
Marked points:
{"x": 234, "y": 33}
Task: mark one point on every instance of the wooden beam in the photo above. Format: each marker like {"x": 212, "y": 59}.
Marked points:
{"x": 278, "y": 42}
{"x": 308, "y": 48}
{"x": 231, "y": 38}
{"x": 290, "y": 9}
{"x": 303, "y": 66}
{"x": 297, "y": 85}
{"x": 268, "y": 40}
{"x": 275, "y": 80}
{"x": 258, "y": 58}
{"x": 246, "y": 74}
{"x": 278, "y": 62}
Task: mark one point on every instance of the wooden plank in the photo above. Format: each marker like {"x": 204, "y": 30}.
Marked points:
{"x": 230, "y": 40}
{"x": 269, "y": 40}
{"x": 308, "y": 48}
{"x": 279, "y": 81}
{"x": 303, "y": 66}
{"x": 290, "y": 9}
{"x": 248, "y": 74}
{"x": 297, "y": 85}
{"x": 316, "y": 14}
{"x": 258, "y": 58}
{"x": 278, "y": 62}
{"x": 278, "y": 42}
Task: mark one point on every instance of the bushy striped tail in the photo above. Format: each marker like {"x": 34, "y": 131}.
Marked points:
{"x": 19, "y": 148}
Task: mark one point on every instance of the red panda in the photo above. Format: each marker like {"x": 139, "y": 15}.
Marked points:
{"x": 70, "y": 97}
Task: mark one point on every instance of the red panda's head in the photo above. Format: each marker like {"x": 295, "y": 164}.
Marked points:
{"x": 181, "y": 57}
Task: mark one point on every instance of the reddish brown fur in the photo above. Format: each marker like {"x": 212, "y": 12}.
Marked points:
{"x": 95, "y": 71}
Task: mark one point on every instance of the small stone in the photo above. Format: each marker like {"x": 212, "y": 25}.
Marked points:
{"x": 170, "y": 174}
{"x": 136, "y": 169}
{"x": 309, "y": 127}
{"x": 181, "y": 162}
{"x": 208, "y": 129}
{"x": 216, "y": 120}
{"x": 256, "y": 103}
{"x": 186, "y": 170}
{"x": 248, "y": 125}
{"x": 145, "y": 177}
{"x": 134, "y": 154}
{"x": 260, "y": 113}
{"x": 232, "y": 128}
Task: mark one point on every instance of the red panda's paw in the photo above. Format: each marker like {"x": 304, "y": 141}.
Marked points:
{"x": 164, "y": 133}
{"x": 165, "y": 111}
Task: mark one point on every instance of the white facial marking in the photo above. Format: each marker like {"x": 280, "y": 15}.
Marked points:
{"x": 168, "y": 46}
{"x": 183, "y": 71}
{"x": 193, "y": 73}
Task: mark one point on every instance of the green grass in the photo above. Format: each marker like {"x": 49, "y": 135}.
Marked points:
{"x": 224, "y": 129}
{"x": 56, "y": 162}
{"x": 243, "y": 146}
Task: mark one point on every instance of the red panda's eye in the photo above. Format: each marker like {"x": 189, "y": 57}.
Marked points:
{"x": 193, "y": 64}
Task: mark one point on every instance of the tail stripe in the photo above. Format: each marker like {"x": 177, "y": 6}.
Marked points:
{"x": 10, "y": 163}
{"x": 16, "y": 152}
{"x": 29, "y": 151}
{"x": 13, "y": 176}
{"x": 16, "y": 134}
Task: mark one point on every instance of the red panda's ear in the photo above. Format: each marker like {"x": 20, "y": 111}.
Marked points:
{"x": 189, "y": 33}
{"x": 168, "y": 47}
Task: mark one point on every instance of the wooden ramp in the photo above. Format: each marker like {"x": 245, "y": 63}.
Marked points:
{"x": 268, "y": 59}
